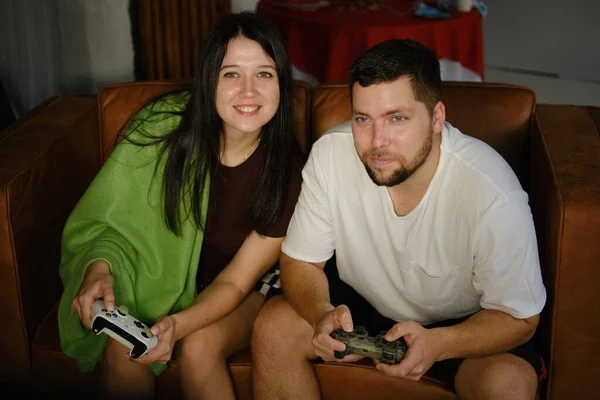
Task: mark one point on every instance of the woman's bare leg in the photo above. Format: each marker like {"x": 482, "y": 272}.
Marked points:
{"x": 202, "y": 356}
{"x": 123, "y": 378}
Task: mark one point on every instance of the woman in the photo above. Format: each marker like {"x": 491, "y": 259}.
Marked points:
{"x": 186, "y": 216}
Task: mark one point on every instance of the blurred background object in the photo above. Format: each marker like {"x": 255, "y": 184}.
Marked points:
{"x": 79, "y": 46}
{"x": 167, "y": 35}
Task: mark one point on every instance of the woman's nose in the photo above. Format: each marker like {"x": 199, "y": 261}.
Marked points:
{"x": 249, "y": 87}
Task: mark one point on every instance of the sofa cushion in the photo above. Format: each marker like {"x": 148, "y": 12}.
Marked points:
{"x": 56, "y": 373}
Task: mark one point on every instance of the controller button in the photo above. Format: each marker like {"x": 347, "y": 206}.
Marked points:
{"x": 115, "y": 315}
{"x": 139, "y": 324}
{"x": 108, "y": 314}
{"x": 144, "y": 334}
{"x": 122, "y": 310}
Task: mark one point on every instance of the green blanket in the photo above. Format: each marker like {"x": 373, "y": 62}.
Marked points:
{"x": 120, "y": 220}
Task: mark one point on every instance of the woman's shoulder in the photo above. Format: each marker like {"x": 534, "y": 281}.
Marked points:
{"x": 170, "y": 102}
{"x": 159, "y": 116}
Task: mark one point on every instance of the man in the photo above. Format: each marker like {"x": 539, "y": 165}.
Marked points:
{"x": 430, "y": 226}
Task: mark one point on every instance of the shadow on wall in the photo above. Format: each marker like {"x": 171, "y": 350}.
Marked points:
{"x": 7, "y": 115}
{"x": 75, "y": 51}
{"x": 62, "y": 46}
{"x": 30, "y": 66}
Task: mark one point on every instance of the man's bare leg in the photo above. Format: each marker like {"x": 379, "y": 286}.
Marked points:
{"x": 282, "y": 350}
{"x": 123, "y": 378}
{"x": 501, "y": 376}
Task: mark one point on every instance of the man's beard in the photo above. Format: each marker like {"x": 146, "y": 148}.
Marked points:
{"x": 403, "y": 172}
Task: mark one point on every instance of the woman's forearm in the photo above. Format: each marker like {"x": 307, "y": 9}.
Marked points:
{"x": 212, "y": 304}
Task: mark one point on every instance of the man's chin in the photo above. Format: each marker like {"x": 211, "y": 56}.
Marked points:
{"x": 379, "y": 177}
{"x": 385, "y": 178}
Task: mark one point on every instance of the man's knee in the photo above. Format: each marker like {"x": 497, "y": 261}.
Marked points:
{"x": 279, "y": 328}
{"x": 501, "y": 376}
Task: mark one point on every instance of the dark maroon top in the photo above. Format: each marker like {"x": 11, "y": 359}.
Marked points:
{"x": 226, "y": 228}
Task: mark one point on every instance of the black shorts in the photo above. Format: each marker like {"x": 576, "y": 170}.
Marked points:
{"x": 364, "y": 314}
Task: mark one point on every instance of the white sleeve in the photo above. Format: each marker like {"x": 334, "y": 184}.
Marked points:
{"x": 310, "y": 236}
{"x": 507, "y": 271}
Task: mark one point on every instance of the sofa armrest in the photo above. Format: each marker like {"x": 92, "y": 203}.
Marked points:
{"x": 565, "y": 198}
{"x": 47, "y": 159}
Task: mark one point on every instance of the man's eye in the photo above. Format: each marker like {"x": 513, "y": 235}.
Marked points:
{"x": 265, "y": 75}
{"x": 398, "y": 118}
{"x": 361, "y": 120}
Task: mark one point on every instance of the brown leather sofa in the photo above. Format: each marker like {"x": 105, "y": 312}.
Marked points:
{"x": 49, "y": 156}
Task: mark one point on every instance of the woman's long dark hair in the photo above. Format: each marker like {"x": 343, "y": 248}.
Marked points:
{"x": 193, "y": 149}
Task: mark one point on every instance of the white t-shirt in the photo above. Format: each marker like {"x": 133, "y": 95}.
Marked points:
{"x": 469, "y": 244}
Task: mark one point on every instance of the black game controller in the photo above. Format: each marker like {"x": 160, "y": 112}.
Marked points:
{"x": 359, "y": 342}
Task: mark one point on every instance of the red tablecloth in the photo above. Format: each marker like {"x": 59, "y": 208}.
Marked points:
{"x": 325, "y": 42}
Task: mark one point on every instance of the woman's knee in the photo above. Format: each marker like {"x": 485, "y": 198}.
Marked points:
{"x": 279, "y": 327}
{"x": 201, "y": 347}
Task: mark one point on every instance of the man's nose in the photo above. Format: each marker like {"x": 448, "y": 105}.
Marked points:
{"x": 379, "y": 135}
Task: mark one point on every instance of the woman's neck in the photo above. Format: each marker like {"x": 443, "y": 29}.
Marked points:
{"x": 237, "y": 149}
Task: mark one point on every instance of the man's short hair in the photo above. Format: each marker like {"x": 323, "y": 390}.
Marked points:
{"x": 400, "y": 58}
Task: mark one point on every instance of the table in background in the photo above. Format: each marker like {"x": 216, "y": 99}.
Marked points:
{"x": 324, "y": 43}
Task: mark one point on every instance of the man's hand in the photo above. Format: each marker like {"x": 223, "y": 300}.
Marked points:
{"x": 423, "y": 350}
{"x": 97, "y": 283}
{"x": 164, "y": 329}
{"x": 338, "y": 318}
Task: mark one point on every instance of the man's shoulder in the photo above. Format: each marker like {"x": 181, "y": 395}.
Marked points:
{"x": 480, "y": 163}
{"x": 336, "y": 137}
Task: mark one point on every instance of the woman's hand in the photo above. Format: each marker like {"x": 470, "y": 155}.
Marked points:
{"x": 164, "y": 329}
{"x": 97, "y": 283}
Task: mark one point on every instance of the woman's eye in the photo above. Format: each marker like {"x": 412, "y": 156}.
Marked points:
{"x": 230, "y": 74}
{"x": 265, "y": 75}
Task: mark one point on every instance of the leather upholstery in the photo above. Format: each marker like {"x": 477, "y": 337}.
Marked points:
{"x": 47, "y": 159}
{"x": 49, "y": 156}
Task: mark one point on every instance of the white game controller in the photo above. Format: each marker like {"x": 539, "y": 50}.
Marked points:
{"x": 124, "y": 328}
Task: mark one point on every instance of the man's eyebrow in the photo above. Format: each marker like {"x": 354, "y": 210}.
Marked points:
{"x": 398, "y": 110}
{"x": 358, "y": 112}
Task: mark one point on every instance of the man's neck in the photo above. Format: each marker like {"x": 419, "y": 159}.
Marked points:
{"x": 407, "y": 195}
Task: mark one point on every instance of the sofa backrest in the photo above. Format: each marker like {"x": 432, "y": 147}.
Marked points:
{"x": 117, "y": 103}
{"x": 499, "y": 114}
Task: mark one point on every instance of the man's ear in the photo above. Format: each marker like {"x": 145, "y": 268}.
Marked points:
{"x": 439, "y": 116}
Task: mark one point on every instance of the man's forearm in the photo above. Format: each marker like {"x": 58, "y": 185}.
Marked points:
{"x": 486, "y": 332}
{"x": 306, "y": 288}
